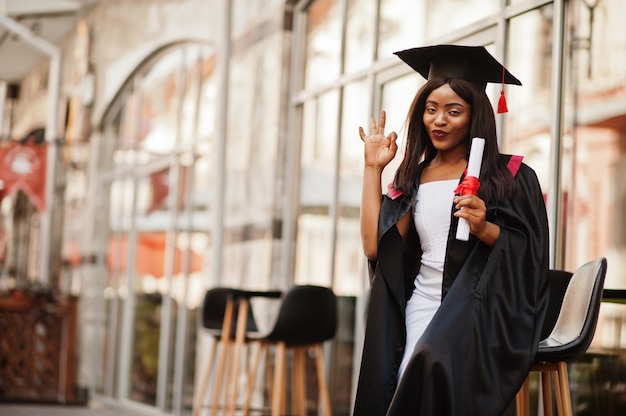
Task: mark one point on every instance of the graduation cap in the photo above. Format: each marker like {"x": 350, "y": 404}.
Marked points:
{"x": 471, "y": 63}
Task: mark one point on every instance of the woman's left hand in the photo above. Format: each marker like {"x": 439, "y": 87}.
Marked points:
{"x": 474, "y": 210}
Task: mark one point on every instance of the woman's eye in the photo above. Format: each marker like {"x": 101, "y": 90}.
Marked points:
{"x": 454, "y": 112}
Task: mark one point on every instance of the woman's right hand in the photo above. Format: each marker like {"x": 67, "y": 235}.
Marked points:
{"x": 379, "y": 149}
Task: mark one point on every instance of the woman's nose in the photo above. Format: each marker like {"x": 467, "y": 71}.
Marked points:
{"x": 440, "y": 118}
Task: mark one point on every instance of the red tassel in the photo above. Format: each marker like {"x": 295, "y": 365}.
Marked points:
{"x": 502, "y": 104}
{"x": 502, "y": 101}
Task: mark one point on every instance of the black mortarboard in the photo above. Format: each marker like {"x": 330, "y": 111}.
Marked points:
{"x": 471, "y": 63}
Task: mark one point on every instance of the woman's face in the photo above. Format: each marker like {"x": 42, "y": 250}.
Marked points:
{"x": 447, "y": 119}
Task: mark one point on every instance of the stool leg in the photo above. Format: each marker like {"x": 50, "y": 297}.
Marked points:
{"x": 223, "y": 355}
{"x": 242, "y": 320}
{"x": 269, "y": 375}
{"x": 557, "y": 392}
{"x": 546, "y": 391}
{"x": 204, "y": 384}
{"x": 279, "y": 379}
{"x": 522, "y": 399}
{"x": 566, "y": 398}
{"x": 252, "y": 378}
{"x": 321, "y": 380}
{"x": 298, "y": 402}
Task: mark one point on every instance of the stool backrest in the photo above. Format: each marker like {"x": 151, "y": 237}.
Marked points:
{"x": 214, "y": 307}
{"x": 557, "y": 284}
{"x": 578, "y": 316}
{"x": 307, "y": 315}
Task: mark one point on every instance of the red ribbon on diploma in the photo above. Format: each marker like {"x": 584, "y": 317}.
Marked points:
{"x": 469, "y": 186}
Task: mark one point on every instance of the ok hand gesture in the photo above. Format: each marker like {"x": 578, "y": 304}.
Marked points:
{"x": 379, "y": 149}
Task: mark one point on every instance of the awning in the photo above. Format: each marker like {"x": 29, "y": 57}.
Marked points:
{"x": 150, "y": 255}
{"x": 52, "y": 20}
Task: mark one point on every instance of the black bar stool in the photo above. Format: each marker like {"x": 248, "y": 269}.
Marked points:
{"x": 306, "y": 319}
{"x": 571, "y": 335}
{"x": 226, "y": 308}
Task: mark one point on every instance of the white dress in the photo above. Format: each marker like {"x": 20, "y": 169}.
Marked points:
{"x": 431, "y": 215}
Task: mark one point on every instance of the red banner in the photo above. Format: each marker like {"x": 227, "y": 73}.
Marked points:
{"x": 159, "y": 182}
{"x": 23, "y": 167}
{"x": 160, "y": 185}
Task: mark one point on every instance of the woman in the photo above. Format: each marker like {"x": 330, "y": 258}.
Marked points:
{"x": 452, "y": 326}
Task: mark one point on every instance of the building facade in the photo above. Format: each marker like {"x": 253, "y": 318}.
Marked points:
{"x": 207, "y": 143}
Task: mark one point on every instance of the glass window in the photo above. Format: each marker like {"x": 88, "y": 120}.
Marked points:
{"x": 323, "y": 42}
{"x": 360, "y": 32}
{"x": 245, "y": 14}
{"x": 113, "y": 290}
{"x": 160, "y": 187}
{"x": 355, "y": 113}
{"x": 317, "y": 189}
{"x": 207, "y": 106}
{"x": 405, "y": 25}
{"x": 397, "y": 96}
{"x": 455, "y": 14}
{"x": 253, "y": 153}
{"x": 120, "y": 201}
{"x": 527, "y": 124}
{"x": 189, "y": 111}
{"x": 349, "y": 261}
{"x": 595, "y": 138}
{"x": 128, "y": 123}
{"x": 203, "y": 187}
{"x": 319, "y": 143}
{"x": 400, "y": 27}
{"x": 591, "y": 195}
{"x": 594, "y": 190}
{"x": 157, "y": 133}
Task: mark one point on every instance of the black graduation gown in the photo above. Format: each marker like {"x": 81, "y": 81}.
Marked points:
{"x": 480, "y": 345}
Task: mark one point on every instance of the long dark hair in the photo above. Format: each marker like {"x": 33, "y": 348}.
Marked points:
{"x": 496, "y": 180}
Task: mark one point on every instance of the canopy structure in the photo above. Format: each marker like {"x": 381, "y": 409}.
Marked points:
{"x": 30, "y": 29}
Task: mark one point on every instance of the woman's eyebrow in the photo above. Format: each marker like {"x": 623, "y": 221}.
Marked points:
{"x": 452, "y": 104}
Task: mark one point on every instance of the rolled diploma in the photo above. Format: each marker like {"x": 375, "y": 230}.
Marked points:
{"x": 473, "y": 169}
